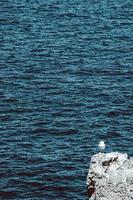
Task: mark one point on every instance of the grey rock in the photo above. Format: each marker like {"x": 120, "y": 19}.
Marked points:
{"x": 110, "y": 177}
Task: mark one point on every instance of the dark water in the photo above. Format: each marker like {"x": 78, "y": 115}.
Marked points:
{"x": 66, "y": 82}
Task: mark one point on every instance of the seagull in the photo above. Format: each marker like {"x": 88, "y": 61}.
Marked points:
{"x": 101, "y": 145}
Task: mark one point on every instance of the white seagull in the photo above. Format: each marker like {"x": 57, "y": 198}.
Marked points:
{"x": 101, "y": 145}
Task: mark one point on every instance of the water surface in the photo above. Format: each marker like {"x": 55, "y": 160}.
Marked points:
{"x": 66, "y": 82}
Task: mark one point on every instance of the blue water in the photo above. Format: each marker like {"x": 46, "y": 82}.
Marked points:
{"x": 66, "y": 82}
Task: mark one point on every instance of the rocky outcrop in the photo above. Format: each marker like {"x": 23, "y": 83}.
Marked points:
{"x": 110, "y": 177}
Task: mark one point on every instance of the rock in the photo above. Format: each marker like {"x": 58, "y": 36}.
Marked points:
{"x": 110, "y": 177}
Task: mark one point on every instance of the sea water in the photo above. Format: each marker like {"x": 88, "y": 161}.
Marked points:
{"x": 66, "y": 82}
